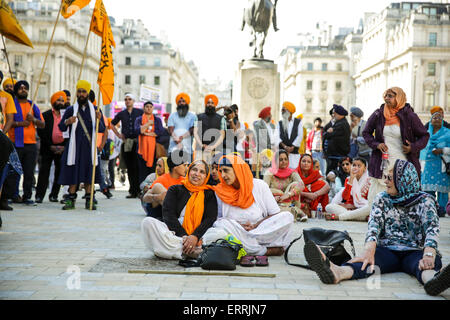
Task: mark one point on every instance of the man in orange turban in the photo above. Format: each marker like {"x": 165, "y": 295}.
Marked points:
{"x": 209, "y": 130}
{"x": 289, "y": 133}
{"x": 52, "y": 147}
{"x": 249, "y": 211}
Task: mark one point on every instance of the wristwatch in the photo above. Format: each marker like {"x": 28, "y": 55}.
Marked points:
{"x": 428, "y": 254}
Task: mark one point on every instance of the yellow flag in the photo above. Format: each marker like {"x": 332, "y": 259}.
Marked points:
{"x": 70, "y": 7}
{"x": 106, "y": 72}
{"x": 10, "y": 26}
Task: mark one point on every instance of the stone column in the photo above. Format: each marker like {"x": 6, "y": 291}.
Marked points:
{"x": 442, "y": 90}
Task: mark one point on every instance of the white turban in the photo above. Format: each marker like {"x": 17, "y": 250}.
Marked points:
{"x": 130, "y": 95}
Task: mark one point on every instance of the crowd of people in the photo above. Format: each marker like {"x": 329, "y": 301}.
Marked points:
{"x": 201, "y": 177}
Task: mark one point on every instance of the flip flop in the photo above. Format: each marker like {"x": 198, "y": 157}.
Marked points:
{"x": 247, "y": 261}
{"x": 439, "y": 283}
{"x": 261, "y": 261}
{"x": 317, "y": 264}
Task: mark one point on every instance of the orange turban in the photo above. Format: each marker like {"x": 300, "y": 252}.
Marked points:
{"x": 58, "y": 95}
{"x": 183, "y": 95}
{"x": 289, "y": 106}
{"x": 436, "y": 109}
{"x": 246, "y": 125}
{"x": 214, "y": 99}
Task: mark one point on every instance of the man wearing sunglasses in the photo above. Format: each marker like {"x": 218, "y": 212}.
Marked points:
{"x": 129, "y": 137}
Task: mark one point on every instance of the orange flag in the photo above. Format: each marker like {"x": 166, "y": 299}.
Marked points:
{"x": 101, "y": 26}
{"x": 70, "y": 7}
{"x": 10, "y": 26}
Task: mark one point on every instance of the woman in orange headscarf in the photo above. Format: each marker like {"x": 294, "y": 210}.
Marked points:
{"x": 189, "y": 209}
{"x": 248, "y": 210}
{"x": 316, "y": 189}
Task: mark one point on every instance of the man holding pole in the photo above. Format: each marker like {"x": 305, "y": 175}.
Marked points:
{"x": 78, "y": 156}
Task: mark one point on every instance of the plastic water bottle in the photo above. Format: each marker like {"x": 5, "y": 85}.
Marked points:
{"x": 319, "y": 212}
{"x": 385, "y": 163}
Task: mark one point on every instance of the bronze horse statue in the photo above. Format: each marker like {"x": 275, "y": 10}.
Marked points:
{"x": 259, "y": 15}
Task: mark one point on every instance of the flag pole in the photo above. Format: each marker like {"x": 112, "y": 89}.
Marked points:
{"x": 96, "y": 153}
{"x": 46, "y": 56}
{"x": 7, "y": 58}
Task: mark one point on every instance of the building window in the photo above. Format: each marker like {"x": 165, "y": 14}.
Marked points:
{"x": 18, "y": 61}
{"x": 42, "y": 34}
{"x": 323, "y": 85}
{"x": 157, "y": 62}
{"x": 156, "y": 80}
{"x": 431, "y": 69}
{"x": 310, "y": 66}
{"x": 429, "y": 99}
{"x": 339, "y": 67}
{"x": 338, "y": 86}
{"x": 141, "y": 79}
{"x": 128, "y": 61}
{"x": 309, "y": 85}
{"x": 432, "y": 39}
{"x": 127, "y": 79}
{"x": 324, "y": 66}
{"x": 308, "y": 104}
{"x": 142, "y": 62}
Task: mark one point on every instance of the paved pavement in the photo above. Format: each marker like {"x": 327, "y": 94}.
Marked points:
{"x": 42, "y": 249}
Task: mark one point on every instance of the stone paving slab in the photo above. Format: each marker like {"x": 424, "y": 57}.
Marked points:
{"x": 43, "y": 248}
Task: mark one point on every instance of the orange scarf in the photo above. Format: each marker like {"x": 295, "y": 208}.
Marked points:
{"x": 147, "y": 144}
{"x": 195, "y": 207}
{"x": 242, "y": 197}
{"x": 390, "y": 114}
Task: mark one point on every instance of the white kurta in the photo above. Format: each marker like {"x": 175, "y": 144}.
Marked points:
{"x": 294, "y": 159}
{"x": 272, "y": 232}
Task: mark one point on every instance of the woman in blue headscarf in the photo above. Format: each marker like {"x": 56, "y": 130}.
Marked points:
{"x": 434, "y": 176}
{"x": 402, "y": 236}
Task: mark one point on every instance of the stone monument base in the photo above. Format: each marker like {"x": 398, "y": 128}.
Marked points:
{"x": 256, "y": 86}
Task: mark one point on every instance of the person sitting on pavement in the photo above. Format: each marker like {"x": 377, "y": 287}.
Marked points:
{"x": 161, "y": 168}
{"x": 158, "y": 190}
{"x": 351, "y": 202}
{"x": 249, "y": 212}
{"x": 402, "y": 236}
{"x": 286, "y": 185}
{"x": 214, "y": 177}
{"x": 189, "y": 209}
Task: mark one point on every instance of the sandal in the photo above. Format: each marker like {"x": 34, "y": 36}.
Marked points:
{"x": 317, "y": 264}
{"x": 439, "y": 283}
{"x": 331, "y": 216}
{"x": 247, "y": 261}
{"x": 262, "y": 261}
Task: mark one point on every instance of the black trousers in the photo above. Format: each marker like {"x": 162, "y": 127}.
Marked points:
{"x": 132, "y": 163}
{"x": 111, "y": 167}
{"x": 27, "y": 157}
{"x": 144, "y": 171}
{"x": 44, "y": 173}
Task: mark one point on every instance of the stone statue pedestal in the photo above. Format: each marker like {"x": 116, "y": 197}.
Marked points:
{"x": 256, "y": 86}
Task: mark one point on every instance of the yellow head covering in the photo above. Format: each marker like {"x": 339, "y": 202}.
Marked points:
{"x": 8, "y": 81}
{"x": 267, "y": 153}
{"x": 83, "y": 84}
{"x": 300, "y": 116}
{"x": 289, "y": 106}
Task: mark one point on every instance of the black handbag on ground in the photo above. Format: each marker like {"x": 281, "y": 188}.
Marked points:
{"x": 220, "y": 255}
{"x": 331, "y": 242}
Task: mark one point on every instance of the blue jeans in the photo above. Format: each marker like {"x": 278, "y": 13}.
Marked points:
{"x": 322, "y": 161}
{"x": 394, "y": 261}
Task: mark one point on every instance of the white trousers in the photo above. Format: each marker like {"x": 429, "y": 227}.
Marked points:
{"x": 275, "y": 231}
{"x": 160, "y": 240}
{"x": 357, "y": 215}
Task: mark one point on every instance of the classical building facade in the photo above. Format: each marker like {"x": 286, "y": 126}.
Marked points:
{"x": 406, "y": 45}
{"x": 63, "y": 63}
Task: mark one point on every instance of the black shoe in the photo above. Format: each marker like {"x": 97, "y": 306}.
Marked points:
{"x": 4, "y": 206}
{"x": 29, "y": 202}
{"x": 17, "y": 199}
{"x": 107, "y": 193}
{"x": 131, "y": 196}
{"x": 38, "y": 200}
{"x": 53, "y": 199}
{"x": 439, "y": 283}
{"x": 88, "y": 204}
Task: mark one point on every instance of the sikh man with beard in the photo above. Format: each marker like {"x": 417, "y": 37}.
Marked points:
{"x": 52, "y": 147}
{"x": 209, "y": 130}
{"x": 289, "y": 134}
{"x": 8, "y": 86}
{"x": 265, "y": 130}
{"x": 23, "y": 134}
{"x": 7, "y": 109}
{"x": 181, "y": 127}
{"x": 78, "y": 156}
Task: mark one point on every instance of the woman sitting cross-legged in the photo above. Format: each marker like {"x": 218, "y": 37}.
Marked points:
{"x": 351, "y": 203}
{"x": 402, "y": 237}
{"x": 316, "y": 190}
{"x": 188, "y": 211}
{"x": 286, "y": 185}
{"x": 249, "y": 212}
{"x": 161, "y": 168}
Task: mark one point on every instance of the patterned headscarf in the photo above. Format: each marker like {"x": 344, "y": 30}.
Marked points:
{"x": 407, "y": 183}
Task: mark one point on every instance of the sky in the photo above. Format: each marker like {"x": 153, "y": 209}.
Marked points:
{"x": 208, "y": 32}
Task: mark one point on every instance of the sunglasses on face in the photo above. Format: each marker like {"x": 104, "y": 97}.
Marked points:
{"x": 388, "y": 177}
{"x": 345, "y": 164}
{"x": 439, "y": 117}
